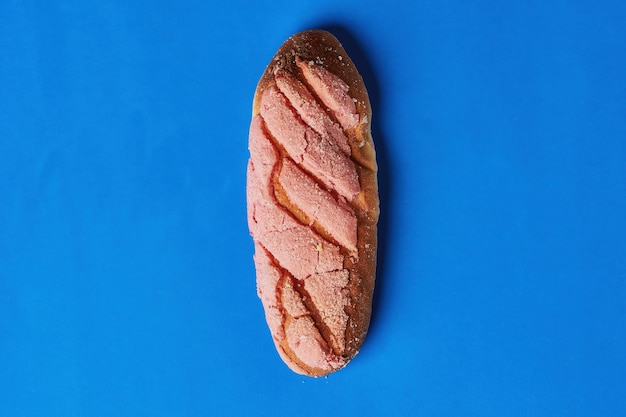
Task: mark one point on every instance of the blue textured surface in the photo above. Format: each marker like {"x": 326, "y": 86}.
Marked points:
{"x": 126, "y": 276}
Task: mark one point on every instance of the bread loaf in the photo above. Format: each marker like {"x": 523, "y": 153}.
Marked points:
{"x": 313, "y": 203}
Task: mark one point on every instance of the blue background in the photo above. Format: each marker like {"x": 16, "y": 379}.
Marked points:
{"x": 127, "y": 286}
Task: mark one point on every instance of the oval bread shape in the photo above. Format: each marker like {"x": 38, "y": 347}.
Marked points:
{"x": 313, "y": 203}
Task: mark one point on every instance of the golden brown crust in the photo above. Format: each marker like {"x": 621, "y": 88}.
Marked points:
{"x": 322, "y": 48}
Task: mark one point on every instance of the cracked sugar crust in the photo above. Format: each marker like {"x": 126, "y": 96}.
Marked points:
{"x": 332, "y": 91}
{"x": 317, "y": 154}
{"x": 310, "y": 110}
{"x": 313, "y": 205}
{"x": 320, "y": 207}
{"x": 311, "y": 330}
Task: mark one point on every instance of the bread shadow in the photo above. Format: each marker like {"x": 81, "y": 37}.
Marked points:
{"x": 364, "y": 65}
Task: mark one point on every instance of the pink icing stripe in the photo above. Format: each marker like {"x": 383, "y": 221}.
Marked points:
{"x": 317, "y": 155}
{"x": 296, "y": 247}
{"x": 263, "y": 154}
{"x": 303, "y": 337}
{"x": 319, "y": 205}
{"x": 292, "y": 302}
{"x": 266, "y": 289}
{"x": 333, "y": 92}
{"x": 325, "y": 292}
{"x": 309, "y": 346}
{"x": 310, "y": 110}
{"x": 263, "y": 159}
